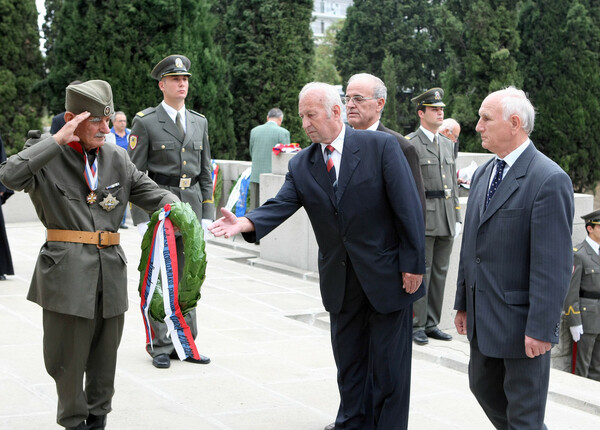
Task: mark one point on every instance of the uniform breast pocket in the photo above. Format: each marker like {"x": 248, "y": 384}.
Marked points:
{"x": 161, "y": 150}
{"x": 429, "y": 167}
{"x": 69, "y": 192}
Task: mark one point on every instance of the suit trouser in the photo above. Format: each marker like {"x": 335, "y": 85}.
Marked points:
{"x": 428, "y": 309}
{"x": 587, "y": 363}
{"x": 161, "y": 343}
{"x": 364, "y": 339}
{"x": 512, "y": 392}
{"x": 74, "y": 347}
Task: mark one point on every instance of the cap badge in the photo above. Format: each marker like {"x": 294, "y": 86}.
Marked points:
{"x": 178, "y": 63}
{"x": 107, "y": 111}
{"x": 437, "y": 95}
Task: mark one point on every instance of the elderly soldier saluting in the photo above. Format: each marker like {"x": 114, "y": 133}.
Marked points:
{"x": 170, "y": 142}
{"x": 79, "y": 189}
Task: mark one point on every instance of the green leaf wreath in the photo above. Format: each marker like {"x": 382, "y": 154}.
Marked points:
{"x": 184, "y": 218}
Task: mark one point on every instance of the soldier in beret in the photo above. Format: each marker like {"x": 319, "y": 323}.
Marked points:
{"x": 170, "y": 142}
{"x": 582, "y": 304}
{"x": 436, "y": 156}
{"x": 79, "y": 188}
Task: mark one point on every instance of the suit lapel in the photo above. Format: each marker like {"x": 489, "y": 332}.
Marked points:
{"x": 593, "y": 255}
{"x": 510, "y": 183}
{"x": 167, "y": 123}
{"x": 189, "y": 127}
{"x": 428, "y": 143}
{"x": 319, "y": 172}
{"x": 350, "y": 159}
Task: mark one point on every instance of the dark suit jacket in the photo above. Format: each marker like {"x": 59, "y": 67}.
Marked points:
{"x": 375, "y": 220}
{"x": 58, "y": 121}
{"x": 410, "y": 152}
{"x": 516, "y": 257}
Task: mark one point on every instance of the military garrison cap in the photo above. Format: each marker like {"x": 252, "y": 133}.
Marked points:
{"x": 592, "y": 217}
{"x": 432, "y": 97}
{"x": 173, "y": 65}
{"x": 93, "y": 96}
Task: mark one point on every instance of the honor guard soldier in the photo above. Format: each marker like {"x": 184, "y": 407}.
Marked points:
{"x": 170, "y": 142}
{"x": 79, "y": 188}
{"x": 442, "y": 221}
{"x": 583, "y": 300}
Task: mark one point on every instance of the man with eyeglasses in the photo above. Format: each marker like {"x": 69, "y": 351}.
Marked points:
{"x": 442, "y": 219}
{"x": 365, "y": 99}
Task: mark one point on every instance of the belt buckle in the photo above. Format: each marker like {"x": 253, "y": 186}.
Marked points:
{"x": 185, "y": 182}
{"x": 100, "y": 236}
{"x": 447, "y": 193}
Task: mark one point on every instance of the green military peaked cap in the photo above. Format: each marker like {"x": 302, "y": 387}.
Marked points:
{"x": 173, "y": 65}
{"x": 432, "y": 97}
{"x": 93, "y": 96}
{"x": 592, "y": 217}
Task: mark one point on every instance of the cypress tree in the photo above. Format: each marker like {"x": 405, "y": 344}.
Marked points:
{"x": 20, "y": 72}
{"x": 559, "y": 59}
{"x": 483, "y": 43}
{"x": 407, "y": 30}
{"x": 129, "y": 37}
{"x": 390, "y": 111}
{"x": 270, "y": 51}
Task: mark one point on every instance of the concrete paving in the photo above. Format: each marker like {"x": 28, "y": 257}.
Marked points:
{"x": 272, "y": 368}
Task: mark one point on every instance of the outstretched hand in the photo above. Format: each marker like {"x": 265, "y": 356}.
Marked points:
{"x": 67, "y": 133}
{"x": 229, "y": 225}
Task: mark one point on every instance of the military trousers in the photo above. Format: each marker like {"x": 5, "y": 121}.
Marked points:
{"x": 587, "y": 363}
{"x": 75, "y": 348}
{"x": 428, "y": 309}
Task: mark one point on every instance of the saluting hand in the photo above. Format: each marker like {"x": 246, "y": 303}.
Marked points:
{"x": 67, "y": 133}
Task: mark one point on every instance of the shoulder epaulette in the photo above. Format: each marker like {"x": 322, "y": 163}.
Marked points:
{"x": 197, "y": 113}
{"x": 575, "y": 249}
{"x": 146, "y": 112}
{"x": 410, "y": 136}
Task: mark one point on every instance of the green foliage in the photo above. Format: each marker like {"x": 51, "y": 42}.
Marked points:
{"x": 484, "y": 41}
{"x": 20, "y": 72}
{"x": 194, "y": 270}
{"x": 324, "y": 65}
{"x": 390, "y": 111}
{"x": 269, "y": 50}
{"x": 404, "y": 29}
{"x": 129, "y": 37}
{"x": 559, "y": 59}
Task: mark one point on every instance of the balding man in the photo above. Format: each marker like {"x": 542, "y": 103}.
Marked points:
{"x": 451, "y": 129}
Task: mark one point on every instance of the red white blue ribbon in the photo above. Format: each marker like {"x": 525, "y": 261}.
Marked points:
{"x": 91, "y": 173}
{"x": 162, "y": 261}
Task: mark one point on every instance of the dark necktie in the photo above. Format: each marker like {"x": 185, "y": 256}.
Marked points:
{"x": 330, "y": 166}
{"x": 179, "y": 125}
{"x": 500, "y": 164}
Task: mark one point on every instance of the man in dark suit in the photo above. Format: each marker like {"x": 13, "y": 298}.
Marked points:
{"x": 515, "y": 265}
{"x": 365, "y": 99}
{"x": 369, "y": 227}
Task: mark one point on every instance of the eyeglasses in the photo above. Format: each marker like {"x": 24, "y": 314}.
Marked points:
{"x": 357, "y": 99}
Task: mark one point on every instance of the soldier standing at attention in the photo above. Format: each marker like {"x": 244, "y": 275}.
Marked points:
{"x": 170, "y": 142}
{"x": 436, "y": 156}
{"x": 583, "y": 300}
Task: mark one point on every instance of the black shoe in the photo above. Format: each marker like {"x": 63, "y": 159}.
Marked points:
{"x": 2, "y": 277}
{"x": 330, "y": 427}
{"x": 436, "y": 333}
{"x": 96, "y": 422}
{"x": 161, "y": 361}
{"x": 80, "y": 426}
{"x": 124, "y": 226}
{"x": 203, "y": 360}
{"x": 420, "y": 338}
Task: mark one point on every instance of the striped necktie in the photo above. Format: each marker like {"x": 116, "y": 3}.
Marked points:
{"x": 330, "y": 166}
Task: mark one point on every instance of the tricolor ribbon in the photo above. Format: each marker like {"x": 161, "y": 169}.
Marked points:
{"x": 162, "y": 261}
{"x": 91, "y": 173}
{"x": 215, "y": 175}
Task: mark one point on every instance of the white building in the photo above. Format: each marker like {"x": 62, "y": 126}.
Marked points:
{"x": 325, "y": 13}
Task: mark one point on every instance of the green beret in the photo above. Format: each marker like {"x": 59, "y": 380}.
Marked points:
{"x": 432, "y": 97}
{"x": 592, "y": 217}
{"x": 173, "y": 65}
{"x": 92, "y": 96}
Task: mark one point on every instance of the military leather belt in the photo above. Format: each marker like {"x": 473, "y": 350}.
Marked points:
{"x": 100, "y": 238}
{"x": 438, "y": 194}
{"x": 589, "y": 295}
{"x": 173, "y": 181}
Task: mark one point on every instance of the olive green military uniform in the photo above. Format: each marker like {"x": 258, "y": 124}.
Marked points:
{"x": 81, "y": 287}
{"x": 443, "y": 212}
{"x": 180, "y": 164}
{"x": 582, "y": 307}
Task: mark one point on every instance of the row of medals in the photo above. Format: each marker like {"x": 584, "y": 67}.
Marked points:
{"x": 108, "y": 204}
